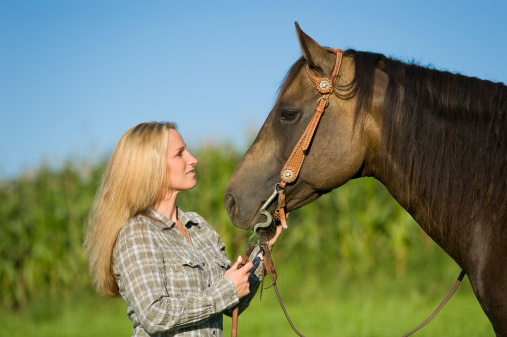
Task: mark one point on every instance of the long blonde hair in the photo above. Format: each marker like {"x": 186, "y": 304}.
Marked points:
{"x": 135, "y": 176}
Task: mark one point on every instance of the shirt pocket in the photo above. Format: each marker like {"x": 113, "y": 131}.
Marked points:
{"x": 184, "y": 275}
{"x": 221, "y": 264}
{"x": 218, "y": 268}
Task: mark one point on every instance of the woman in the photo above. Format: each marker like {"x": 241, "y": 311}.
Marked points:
{"x": 169, "y": 265}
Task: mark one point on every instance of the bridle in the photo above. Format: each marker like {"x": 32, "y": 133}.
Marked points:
{"x": 292, "y": 167}
{"x": 289, "y": 174}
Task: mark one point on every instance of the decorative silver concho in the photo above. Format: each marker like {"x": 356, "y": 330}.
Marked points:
{"x": 324, "y": 86}
{"x": 288, "y": 175}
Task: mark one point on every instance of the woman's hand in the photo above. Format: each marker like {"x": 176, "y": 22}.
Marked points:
{"x": 240, "y": 277}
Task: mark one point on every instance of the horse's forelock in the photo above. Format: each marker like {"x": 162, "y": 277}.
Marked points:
{"x": 288, "y": 79}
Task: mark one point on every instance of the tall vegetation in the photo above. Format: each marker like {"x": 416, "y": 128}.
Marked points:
{"x": 43, "y": 214}
{"x": 42, "y": 217}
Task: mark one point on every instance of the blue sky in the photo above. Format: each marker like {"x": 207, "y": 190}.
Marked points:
{"x": 75, "y": 75}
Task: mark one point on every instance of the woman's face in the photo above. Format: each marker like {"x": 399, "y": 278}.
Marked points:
{"x": 180, "y": 164}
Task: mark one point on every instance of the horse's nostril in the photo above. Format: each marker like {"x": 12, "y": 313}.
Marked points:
{"x": 230, "y": 204}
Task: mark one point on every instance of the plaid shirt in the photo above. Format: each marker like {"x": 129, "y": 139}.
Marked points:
{"x": 173, "y": 288}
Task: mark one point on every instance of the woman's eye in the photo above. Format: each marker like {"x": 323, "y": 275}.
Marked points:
{"x": 288, "y": 115}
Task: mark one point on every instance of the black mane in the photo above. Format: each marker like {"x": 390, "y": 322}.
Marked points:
{"x": 447, "y": 133}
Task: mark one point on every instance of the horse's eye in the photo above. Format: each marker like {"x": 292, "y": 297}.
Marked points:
{"x": 288, "y": 115}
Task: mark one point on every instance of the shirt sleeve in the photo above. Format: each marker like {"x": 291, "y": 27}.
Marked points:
{"x": 256, "y": 274}
{"x": 139, "y": 267}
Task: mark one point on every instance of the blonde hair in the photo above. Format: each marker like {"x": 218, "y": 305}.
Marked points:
{"x": 134, "y": 179}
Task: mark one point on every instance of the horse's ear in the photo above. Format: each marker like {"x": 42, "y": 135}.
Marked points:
{"x": 314, "y": 54}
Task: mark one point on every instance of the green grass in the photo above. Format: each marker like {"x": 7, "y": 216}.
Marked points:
{"x": 83, "y": 314}
{"x": 367, "y": 308}
{"x": 377, "y": 305}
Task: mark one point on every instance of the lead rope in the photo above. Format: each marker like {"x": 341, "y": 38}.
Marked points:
{"x": 454, "y": 288}
{"x": 235, "y": 312}
{"x": 269, "y": 268}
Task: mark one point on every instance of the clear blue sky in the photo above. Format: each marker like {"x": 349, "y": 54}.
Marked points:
{"x": 75, "y": 75}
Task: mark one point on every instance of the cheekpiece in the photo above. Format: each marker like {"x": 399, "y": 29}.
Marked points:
{"x": 324, "y": 86}
{"x": 288, "y": 175}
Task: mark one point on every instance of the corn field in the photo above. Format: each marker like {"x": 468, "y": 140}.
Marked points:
{"x": 43, "y": 214}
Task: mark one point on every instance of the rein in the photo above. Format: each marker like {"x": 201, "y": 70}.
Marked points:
{"x": 288, "y": 175}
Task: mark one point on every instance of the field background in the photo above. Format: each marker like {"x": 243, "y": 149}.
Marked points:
{"x": 353, "y": 263}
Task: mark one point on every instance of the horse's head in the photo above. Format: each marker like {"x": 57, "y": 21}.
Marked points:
{"x": 337, "y": 152}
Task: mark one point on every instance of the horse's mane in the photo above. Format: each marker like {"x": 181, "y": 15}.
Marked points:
{"x": 447, "y": 133}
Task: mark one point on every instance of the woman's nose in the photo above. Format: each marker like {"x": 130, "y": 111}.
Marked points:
{"x": 192, "y": 160}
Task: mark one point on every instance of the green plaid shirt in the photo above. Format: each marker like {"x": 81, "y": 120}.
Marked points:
{"x": 172, "y": 287}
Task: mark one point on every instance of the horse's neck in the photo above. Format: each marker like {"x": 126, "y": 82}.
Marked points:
{"x": 418, "y": 206}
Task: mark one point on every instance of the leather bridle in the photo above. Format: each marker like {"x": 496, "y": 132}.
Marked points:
{"x": 292, "y": 167}
{"x": 288, "y": 175}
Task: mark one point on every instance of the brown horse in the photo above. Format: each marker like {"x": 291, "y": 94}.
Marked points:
{"x": 436, "y": 140}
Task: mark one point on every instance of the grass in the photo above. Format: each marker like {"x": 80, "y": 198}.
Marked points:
{"x": 365, "y": 308}
{"x": 377, "y": 305}
{"x": 82, "y": 314}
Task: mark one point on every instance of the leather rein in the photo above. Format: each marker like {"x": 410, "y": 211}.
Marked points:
{"x": 289, "y": 174}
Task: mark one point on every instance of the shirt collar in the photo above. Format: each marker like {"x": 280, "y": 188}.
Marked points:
{"x": 166, "y": 222}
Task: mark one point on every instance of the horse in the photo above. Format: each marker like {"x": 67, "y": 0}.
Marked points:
{"x": 437, "y": 140}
